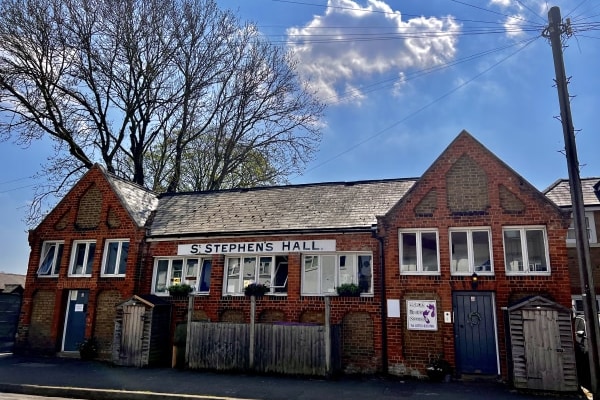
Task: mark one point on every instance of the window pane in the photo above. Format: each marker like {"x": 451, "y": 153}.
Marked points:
{"x": 429, "y": 249}
{"x": 123, "y": 259}
{"x": 536, "y": 250}
{"x": 111, "y": 258}
{"x": 281, "y": 274}
{"x": 409, "y": 251}
{"x": 459, "y": 252}
{"x": 311, "y": 274}
{"x": 77, "y": 268}
{"x": 161, "y": 276}
{"x": 204, "y": 284}
{"x": 176, "y": 272}
{"x": 264, "y": 270}
{"x": 233, "y": 275}
{"x": 364, "y": 274}
{"x": 249, "y": 270}
{"x": 347, "y": 269}
{"x": 90, "y": 258}
{"x": 513, "y": 254}
{"x": 58, "y": 259}
{"x": 191, "y": 268}
{"x": 481, "y": 251}
{"x": 48, "y": 259}
{"x": 328, "y": 274}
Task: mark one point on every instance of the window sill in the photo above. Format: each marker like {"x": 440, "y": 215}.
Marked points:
{"x": 79, "y": 276}
{"x": 525, "y": 273}
{"x": 419, "y": 273}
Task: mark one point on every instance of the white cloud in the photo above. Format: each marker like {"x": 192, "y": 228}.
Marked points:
{"x": 501, "y": 3}
{"x": 514, "y": 25}
{"x": 351, "y": 43}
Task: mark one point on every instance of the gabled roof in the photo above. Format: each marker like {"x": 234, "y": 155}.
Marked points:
{"x": 294, "y": 208}
{"x": 560, "y": 192}
{"x": 139, "y": 201}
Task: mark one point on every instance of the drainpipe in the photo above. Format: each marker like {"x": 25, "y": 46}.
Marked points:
{"x": 384, "y": 344}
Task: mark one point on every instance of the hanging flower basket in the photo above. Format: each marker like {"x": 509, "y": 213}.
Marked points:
{"x": 256, "y": 289}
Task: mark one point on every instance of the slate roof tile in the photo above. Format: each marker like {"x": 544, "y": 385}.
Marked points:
{"x": 323, "y": 206}
{"x": 560, "y": 192}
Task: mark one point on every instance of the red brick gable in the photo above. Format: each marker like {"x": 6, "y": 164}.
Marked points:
{"x": 466, "y": 167}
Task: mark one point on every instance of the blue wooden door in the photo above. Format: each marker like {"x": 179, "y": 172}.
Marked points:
{"x": 75, "y": 319}
{"x": 475, "y": 342}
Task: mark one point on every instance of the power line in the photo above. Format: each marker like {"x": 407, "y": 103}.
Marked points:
{"x": 426, "y": 106}
{"x": 417, "y": 74}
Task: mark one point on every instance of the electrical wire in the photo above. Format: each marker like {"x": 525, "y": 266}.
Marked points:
{"x": 421, "y": 109}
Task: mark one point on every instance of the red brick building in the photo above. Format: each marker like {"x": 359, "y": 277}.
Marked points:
{"x": 437, "y": 260}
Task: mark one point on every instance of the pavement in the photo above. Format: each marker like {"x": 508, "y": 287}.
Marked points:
{"x": 75, "y": 378}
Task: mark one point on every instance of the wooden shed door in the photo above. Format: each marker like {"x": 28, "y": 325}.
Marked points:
{"x": 475, "y": 333}
{"x": 132, "y": 335}
{"x": 543, "y": 349}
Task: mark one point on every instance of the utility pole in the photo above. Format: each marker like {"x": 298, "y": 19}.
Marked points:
{"x": 553, "y": 31}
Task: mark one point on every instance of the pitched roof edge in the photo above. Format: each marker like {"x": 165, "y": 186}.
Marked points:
{"x": 291, "y": 186}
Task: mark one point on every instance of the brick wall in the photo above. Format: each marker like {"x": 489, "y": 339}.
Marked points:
{"x": 291, "y": 308}
{"x": 484, "y": 193}
{"x": 81, "y": 215}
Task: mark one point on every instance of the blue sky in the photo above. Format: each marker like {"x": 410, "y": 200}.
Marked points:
{"x": 401, "y": 79}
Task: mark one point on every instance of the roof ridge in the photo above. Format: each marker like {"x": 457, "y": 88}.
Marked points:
{"x": 291, "y": 186}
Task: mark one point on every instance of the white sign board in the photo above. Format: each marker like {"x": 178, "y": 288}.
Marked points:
{"x": 393, "y": 308}
{"x": 421, "y": 315}
{"x": 283, "y": 246}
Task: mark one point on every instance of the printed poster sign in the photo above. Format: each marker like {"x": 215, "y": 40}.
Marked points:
{"x": 421, "y": 315}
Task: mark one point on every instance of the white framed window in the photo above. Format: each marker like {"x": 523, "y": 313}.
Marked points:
{"x": 470, "y": 251}
{"x": 322, "y": 273}
{"x": 526, "y": 250}
{"x": 577, "y": 304}
{"x": 419, "y": 252}
{"x": 50, "y": 258}
{"x": 115, "y": 257}
{"x": 240, "y": 271}
{"x": 175, "y": 271}
{"x": 590, "y": 224}
{"x": 82, "y": 258}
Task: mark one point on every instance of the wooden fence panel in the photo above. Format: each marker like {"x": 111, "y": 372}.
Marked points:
{"x": 220, "y": 346}
{"x": 285, "y": 349}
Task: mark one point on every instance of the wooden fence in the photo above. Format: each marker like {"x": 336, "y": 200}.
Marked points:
{"x": 285, "y": 348}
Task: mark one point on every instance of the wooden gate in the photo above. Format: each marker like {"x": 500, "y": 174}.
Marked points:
{"x": 132, "y": 336}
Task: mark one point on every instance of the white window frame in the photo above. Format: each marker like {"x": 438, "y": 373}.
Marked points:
{"x": 275, "y": 290}
{"x": 187, "y": 276}
{"x": 55, "y": 265}
{"x": 419, "y": 261}
{"x": 115, "y": 268}
{"x": 527, "y": 263}
{"x": 471, "y": 252}
{"x": 86, "y": 258}
{"x": 354, "y": 273}
{"x": 579, "y": 298}
{"x": 591, "y": 229}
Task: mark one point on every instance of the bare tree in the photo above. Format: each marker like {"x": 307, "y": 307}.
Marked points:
{"x": 146, "y": 87}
